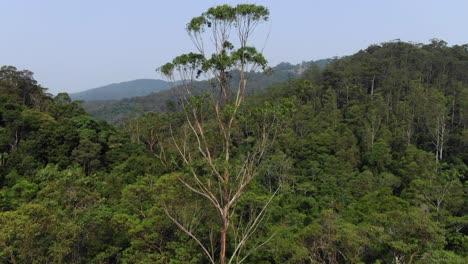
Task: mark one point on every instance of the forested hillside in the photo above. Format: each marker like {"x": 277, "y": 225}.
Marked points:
{"x": 366, "y": 163}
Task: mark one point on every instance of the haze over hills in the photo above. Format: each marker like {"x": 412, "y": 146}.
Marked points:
{"x": 116, "y": 91}
{"x": 114, "y": 111}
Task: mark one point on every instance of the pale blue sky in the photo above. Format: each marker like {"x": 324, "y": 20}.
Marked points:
{"x": 74, "y": 45}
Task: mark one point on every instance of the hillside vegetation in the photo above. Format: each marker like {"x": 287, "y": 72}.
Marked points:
{"x": 368, "y": 165}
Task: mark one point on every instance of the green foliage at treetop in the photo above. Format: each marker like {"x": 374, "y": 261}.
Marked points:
{"x": 370, "y": 161}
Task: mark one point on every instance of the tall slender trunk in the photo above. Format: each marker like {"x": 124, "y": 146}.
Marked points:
{"x": 453, "y": 108}
{"x": 409, "y": 133}
{"x": 14, "y": 145}
{"x": 226, "y": 218}
{"x": 442, "y": 139}
{"x": 437, "y": 144}
{"x": 224, "y": 231}
{"x": 372, "y": 85}
{"x": 226, "y": 215}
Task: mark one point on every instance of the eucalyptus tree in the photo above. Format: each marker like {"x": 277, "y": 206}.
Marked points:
{"x": 222, "y": 37}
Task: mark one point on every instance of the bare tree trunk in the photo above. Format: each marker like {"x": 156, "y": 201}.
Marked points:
{"x": 223, "y": 238}
{"x": 453, "y": 108}
{"x": 14, "y": 146}
{"x": 442, "y": 138}
{"x": 372, "y": 85}
{"x": 439, "y": 137}
{"x": 409, "y": 134}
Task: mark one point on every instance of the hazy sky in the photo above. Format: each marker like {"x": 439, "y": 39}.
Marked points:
{"x": 74, "y": 45}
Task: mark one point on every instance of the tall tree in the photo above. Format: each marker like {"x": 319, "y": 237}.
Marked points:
{"x": 218, "y": 169}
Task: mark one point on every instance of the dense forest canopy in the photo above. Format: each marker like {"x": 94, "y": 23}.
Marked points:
{"x": 370, "y": 164}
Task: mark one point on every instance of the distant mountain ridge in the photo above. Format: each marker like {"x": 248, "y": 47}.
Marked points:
{"x": 117, "y": 91}
{"x": 114, "y": 111}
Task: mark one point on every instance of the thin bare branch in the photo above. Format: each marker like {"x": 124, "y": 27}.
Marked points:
{"x": 185, "y": 230}
{"x": 252, "y": 227}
